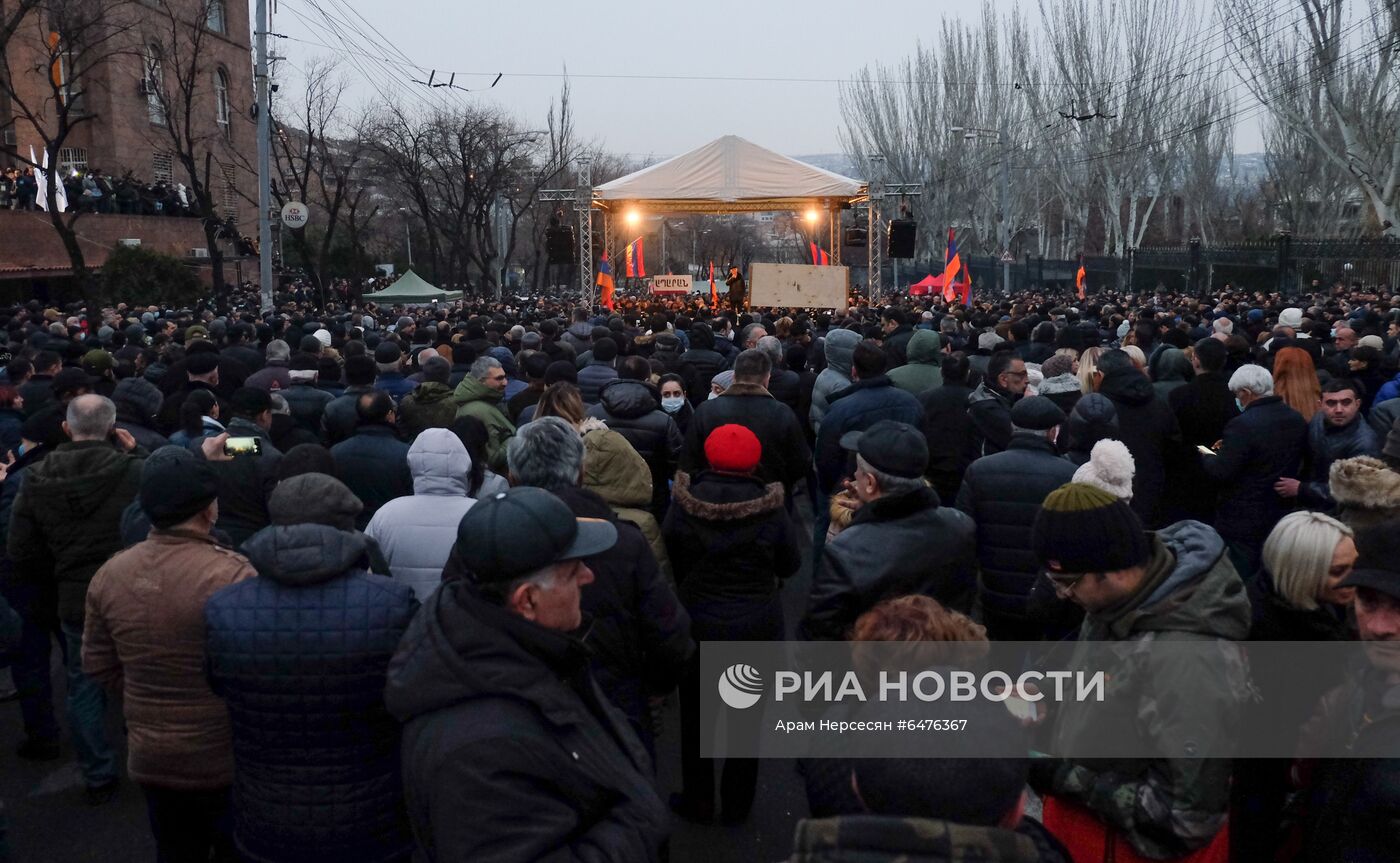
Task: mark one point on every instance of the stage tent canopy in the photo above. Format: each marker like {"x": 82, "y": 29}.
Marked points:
{"x": 410, "y": 288}
{"x": 730, "y": 174}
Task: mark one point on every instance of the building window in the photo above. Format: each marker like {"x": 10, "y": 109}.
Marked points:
{"x": 221, "y": 112}
{"x": 214, "y": 16}
{"x": 72, "y": 159}
{"x": 151, "y": 85}
{"x": 228, "y": 204}
{"x": 163, "y": 169}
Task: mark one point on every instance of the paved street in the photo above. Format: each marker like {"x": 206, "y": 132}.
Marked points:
{"x": 50, "y": 822}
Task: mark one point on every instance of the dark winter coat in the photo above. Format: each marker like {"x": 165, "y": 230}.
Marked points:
{"x": 1326, "y": 445}
{"x": 308, "y": 405}
{"x": 578, "y": 336}
{"x": 668, "y": 352}
{"x": 1203, "y": 407}
{"x": 729, "y": 538}
{"x": 429, "y": 406}
{"x": 633, "y": 410}
{"x": 10, "y": 422}
{"x": 635, "y": 626}
{"x": 168, "y": 420}
{"x": 510, "y": 750}
{"x": 896, "y": 345}
{"x": 857, "y": 408}
{"x": 951, "y": 438}
{"x": 989, "y": 409}
{"x": 395, "y": 384}
{"x": 245, "y": 482}
{"x": 373, "y": 464}
{"x": 68, "y": 517}
{"x": 340, "y": 418}
{"x": 886, "y": 839}
{"x": 37, "y": 393}
{"x": 1002, "y": 493}
{"x": 592, "y": 378}
{"x": 785, "y": 457}
{"x": 1147, "y": 427}
{"x": 698, "y": 367}
{"x": 1258, "y": 447}
{"x": 893, "y": 546}
{"x": 300, "y": 654}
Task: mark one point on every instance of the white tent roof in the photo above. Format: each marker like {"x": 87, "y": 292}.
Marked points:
{"x": 730, "y": 170}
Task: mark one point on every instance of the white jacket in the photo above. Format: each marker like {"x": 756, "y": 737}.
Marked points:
{"x": 416, "y": 533}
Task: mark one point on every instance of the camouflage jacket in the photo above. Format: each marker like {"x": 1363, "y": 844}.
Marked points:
{"x": 887, "y": 839}
{"x": 1164, "y": 806}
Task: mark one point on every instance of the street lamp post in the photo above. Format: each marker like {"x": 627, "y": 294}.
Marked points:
{"x": 407, "y": 236}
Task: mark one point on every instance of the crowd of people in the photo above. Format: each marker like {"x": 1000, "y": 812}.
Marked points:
{"x": 379, "y": 584}
{"x": 92, "y": 190}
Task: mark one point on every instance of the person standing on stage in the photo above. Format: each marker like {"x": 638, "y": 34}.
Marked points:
{"x": 738, "y": 290}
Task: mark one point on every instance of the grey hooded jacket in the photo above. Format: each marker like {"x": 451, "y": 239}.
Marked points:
{"x": 416, "y": 533}
{"x": 840, "y": 344}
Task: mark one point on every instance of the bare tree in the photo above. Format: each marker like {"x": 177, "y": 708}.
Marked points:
{"x": 1331, "y": 78}
{"x": 66, "y": 44}
{"x": 190, "y": 112}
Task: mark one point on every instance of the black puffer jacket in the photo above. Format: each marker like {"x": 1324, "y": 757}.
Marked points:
{"x": 729, "y": 538}
{"x": 1003, "y": 493}
{"x": 68, "y": 517}
{"x": 300, "y": 656}
{"x": 951, "y": 438}
{"x": 700, "y": 364}
{"x": 1327, "y": 444}
{"x": 990, "y": 411}
{"x": 501, "y": 717}
{"x": 634, "y": 624}
{"x": 894, "y": 546}
{"x": 668, "y": 351}
{"x": 785, "y": 456}
{"x": 1147, "y": 427}
{"x": 633, "y": 410}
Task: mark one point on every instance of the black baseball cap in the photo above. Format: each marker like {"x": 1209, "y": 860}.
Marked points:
{"x": 1377, "y": 559}
{"x": 516, "y": 532}
{"x": 70, "y": 380}
{"x": 890, "y": 447}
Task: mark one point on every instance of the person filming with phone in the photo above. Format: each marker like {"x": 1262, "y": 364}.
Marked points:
{"x": 246, "y": 465}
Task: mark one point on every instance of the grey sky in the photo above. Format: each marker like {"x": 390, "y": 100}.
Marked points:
{"x": 641, "y": 116}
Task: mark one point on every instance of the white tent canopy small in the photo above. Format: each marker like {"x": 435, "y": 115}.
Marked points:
{"x": 412, "y": 289}
{"x": 730, "y": 173}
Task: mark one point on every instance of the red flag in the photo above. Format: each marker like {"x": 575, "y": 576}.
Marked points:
{"x": 714, "y": 295}
{"x": 815, "y": 258}
{"x": 1079, "y": 278}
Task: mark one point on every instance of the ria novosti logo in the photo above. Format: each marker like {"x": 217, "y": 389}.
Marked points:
{"x": 740, "y": 686}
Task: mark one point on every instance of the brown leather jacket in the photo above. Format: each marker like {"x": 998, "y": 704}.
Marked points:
{"x": 145, "y": 634}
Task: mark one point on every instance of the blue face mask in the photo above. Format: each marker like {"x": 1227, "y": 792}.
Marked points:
{"x": 1239, "y": 407}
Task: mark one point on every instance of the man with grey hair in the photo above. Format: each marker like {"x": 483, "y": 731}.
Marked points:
{"x": 640, "y": 634}
{"x": 479, "y": 396}
{"x": 66, "y": 522}
{"x": 750, "y": 336}
{"x": 784, "y": 383}
{"x": 274, "y": 373}
{"x": 900, "y": 541}
{"x": 500, "y": 712}
{"x": 1264, "y": 443}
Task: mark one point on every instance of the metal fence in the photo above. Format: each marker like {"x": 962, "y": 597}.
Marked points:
{"x": 1287, "y": 264}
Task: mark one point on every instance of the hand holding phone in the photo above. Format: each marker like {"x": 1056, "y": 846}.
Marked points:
{"x": 1205, "y": 450}
{"x": 240, "y": 446}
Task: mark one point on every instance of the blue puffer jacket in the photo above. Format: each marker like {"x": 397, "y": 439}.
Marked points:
{"x": 300, "y": 655}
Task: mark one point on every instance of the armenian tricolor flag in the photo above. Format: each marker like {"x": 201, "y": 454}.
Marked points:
{"x": 605, "y": 281}
{"x": 1079, "y": 278}
{"x": 636, "y": 262}
{"x": 820, "y": 258}
{"x": 714, "y": 294}
{"x": 952, "y": 268}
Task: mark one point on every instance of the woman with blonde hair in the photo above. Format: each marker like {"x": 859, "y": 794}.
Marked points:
{"x": 1295, "y": 381}
{"x": 1089, "y": 369}
{"x": 1296, "y": 597}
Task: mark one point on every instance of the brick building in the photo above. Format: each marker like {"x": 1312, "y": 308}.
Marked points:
{"x": 142, "y": 53}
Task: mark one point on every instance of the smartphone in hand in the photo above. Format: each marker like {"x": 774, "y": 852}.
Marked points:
{"x": 237, "y": 446}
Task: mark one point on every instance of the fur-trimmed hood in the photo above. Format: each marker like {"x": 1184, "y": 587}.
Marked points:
{"x": 1364, "y": 482}
{"x": 697, "y": 502}
{"x": 1065, "y": 383}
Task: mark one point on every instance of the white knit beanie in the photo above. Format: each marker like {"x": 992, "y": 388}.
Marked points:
{"x": 1110, "y": 467}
